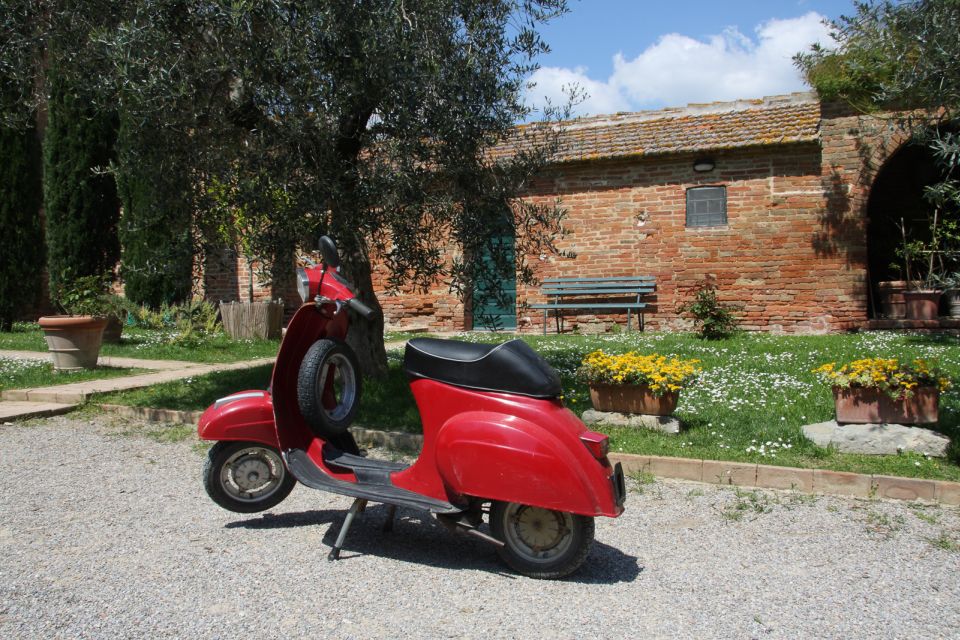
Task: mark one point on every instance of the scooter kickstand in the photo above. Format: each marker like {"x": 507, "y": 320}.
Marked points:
{"x": 357, "y": 506}
{"x": 388, "y": 525}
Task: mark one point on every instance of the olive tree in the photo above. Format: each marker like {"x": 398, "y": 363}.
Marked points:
{"x": 379, "y": 117}
{"x": 892, "y": 56}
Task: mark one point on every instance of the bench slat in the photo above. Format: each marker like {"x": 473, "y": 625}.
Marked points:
{"x": 587, "y": 292}
{"x": 587, "y": 280}
{"x": 598, "y": 305}
{"x": 614, "y": 287}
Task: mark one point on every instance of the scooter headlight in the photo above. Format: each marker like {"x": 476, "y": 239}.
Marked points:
{"x": 303, "y": 285}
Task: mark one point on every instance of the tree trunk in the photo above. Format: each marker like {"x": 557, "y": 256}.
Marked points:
{"x": 365, "y": 336}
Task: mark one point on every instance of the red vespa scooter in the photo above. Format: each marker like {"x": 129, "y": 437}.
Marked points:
{"x": 494, "y": 433}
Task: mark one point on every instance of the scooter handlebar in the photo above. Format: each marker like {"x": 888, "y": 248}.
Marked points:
{"x": 362, "y": 309}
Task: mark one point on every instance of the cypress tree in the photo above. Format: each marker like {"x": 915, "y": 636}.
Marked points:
{"x": 21, "y": 260}
{"x": 80, "y": 202}
{"x": 155, "y": 228}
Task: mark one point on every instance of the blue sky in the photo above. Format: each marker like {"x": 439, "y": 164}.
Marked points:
{"x": 635, "y": 55}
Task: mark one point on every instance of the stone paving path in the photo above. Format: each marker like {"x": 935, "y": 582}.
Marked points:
{"x": 17, "y": 404}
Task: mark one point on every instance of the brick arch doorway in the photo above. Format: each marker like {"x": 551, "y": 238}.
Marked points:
{"x": 896, "y": 205}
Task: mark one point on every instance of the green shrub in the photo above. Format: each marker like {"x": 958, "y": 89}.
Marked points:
{"x": 80, "y": 196}
{"x": 21, "y": 260}
{"x": 712, "y": 319}
{"x": 194, "y": 317}
{"x": 157, "y": 261}
{"x": 83, "y": 296}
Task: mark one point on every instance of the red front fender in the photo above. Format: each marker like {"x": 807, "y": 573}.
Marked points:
{"x": 245, "y": 416}
{"x": 503, "y": 457}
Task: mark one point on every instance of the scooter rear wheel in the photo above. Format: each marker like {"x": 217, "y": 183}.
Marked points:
{"x": 541, "y": 543}
{"x": 328, "y": 387}
{"x": 246, "y": 477}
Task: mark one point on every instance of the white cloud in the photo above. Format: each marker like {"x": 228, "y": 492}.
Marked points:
{"x": 553, "y": 84}
{"x": 678, "y": 69}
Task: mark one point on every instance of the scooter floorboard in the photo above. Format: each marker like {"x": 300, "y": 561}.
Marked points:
{"x": 333, "y": 456}
{"x": 373, "y": 481}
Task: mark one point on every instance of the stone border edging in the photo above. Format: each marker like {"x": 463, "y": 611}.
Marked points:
{"x": 743, "y": 474}
{"x": 762, "y": 476}
{"x": 153, "y": 415}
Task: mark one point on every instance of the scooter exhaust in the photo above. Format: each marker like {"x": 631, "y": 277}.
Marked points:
{"x": 458, "y": 526}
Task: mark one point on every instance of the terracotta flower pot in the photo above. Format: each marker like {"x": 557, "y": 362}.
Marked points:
{"x": 74, "y": 341}
{"x": 632, "y": 399}
{"x": 922, "y": 305}
{"x": 857, "y": 405}
{"x": 892, "y": 303}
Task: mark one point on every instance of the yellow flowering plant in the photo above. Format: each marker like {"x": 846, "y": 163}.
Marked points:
{"x": 661, "y": 373}
{"x": 898, "y": 379}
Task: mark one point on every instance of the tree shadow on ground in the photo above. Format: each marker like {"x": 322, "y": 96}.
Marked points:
{"x": 933, "y": 339}
{"x": 418, "y": 539}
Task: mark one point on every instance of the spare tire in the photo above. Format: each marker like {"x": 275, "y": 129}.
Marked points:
{"x": 328, "y": 388}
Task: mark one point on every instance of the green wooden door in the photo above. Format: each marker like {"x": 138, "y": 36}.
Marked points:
{"x": 492, "y": 309}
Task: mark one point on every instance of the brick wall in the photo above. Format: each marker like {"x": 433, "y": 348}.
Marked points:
{"x": 792, "y": 256}
{"x": 435, "y": 308}
{"x": 628, "y": 217}
{"x": 225, "y": 277}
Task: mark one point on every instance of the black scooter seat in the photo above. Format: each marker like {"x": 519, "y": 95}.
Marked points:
{"x": 510, "y": 367}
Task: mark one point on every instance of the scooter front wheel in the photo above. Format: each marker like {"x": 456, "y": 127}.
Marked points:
{"x": 541, "y": 543}
{"x": 246, "y": 477}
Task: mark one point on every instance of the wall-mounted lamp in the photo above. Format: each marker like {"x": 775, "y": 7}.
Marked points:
{"x": 703, "y": 164}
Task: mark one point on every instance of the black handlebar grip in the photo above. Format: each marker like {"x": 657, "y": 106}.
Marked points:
{"x": 362, "y": 309}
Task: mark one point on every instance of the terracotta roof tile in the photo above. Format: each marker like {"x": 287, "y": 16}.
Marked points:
{"x": 698, "y": 127}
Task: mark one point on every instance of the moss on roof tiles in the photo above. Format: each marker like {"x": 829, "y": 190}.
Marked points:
{"x": 722, "y": 125}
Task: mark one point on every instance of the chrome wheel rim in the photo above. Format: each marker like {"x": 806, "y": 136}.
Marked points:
{"x": 536, "y": 534}
{"x": 342, "y": 379}
{"x": 252, "y": 474}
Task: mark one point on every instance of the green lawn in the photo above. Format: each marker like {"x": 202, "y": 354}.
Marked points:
{"x": 191, "y": 394}
{"x": 150, "y": 344}
{"x": 27, "y": 374}
{"x": 755, "y": 389}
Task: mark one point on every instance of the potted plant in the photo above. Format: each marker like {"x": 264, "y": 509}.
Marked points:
{"x": 885, "y": 390}
{"x": 74, "y": 338}
{"x": 921, "y": 259}
{"x": 931, "y": 259}
{"x": 115, "y": 309}
{"x": 891, "y": 299}
{"x": 951, "y": 293}
{"x": 634, "y": 383}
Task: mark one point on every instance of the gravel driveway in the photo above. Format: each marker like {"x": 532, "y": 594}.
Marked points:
{"x": 107, "y": 532}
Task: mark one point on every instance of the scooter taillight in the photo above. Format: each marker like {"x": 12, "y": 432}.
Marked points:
{"x": 597, "y": 443}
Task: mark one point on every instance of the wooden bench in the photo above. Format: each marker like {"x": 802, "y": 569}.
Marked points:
{"x": 582, "y": 293}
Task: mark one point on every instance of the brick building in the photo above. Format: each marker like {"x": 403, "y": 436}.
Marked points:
{"x": 769, "y": 199}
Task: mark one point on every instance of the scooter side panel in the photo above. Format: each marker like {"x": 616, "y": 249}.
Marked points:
{"x": 505, "y": 447}
{"x": 506, "y": 458}
{"x": 247, "y": 419}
